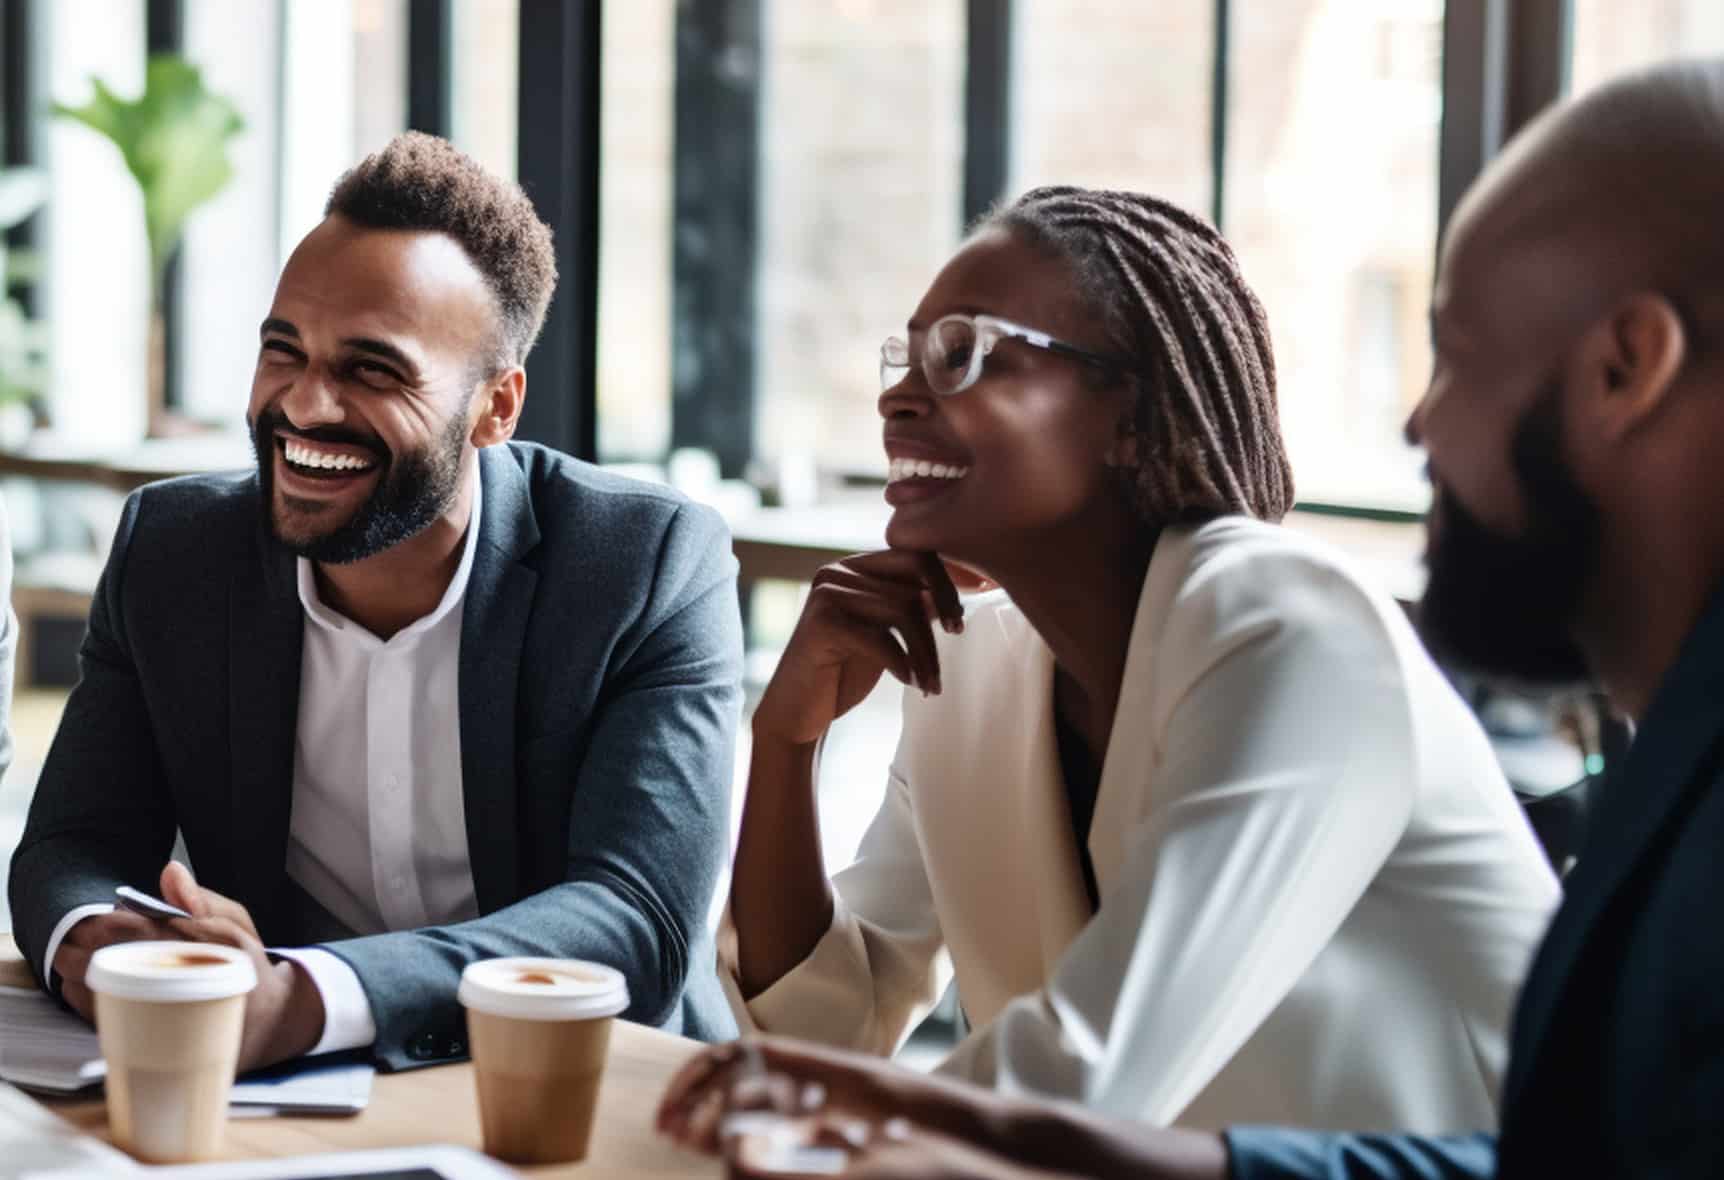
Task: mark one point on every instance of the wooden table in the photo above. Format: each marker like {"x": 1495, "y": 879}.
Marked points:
{"x": 438, "y": 1105}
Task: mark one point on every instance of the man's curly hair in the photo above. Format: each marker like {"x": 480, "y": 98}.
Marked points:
{"x": 420, "y": 182}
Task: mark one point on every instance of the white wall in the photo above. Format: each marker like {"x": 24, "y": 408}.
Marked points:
{"x": 232, "y": 245}
{"x": 97, "y": 296}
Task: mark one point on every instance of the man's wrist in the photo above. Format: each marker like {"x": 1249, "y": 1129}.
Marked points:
{"x": 301, "y": 1025}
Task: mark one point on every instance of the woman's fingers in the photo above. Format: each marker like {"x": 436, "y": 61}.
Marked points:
{"x": 706, "y": 1072}
{"x": 904, "y": 617}
{"x": 878, "y": 642}
{"x": 947, "y": 606}
{"x": 920, "y": 568}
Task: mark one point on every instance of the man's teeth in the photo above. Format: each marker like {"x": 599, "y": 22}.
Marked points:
{"x": 303, "y": 456}
{"x": 922, "y": 469}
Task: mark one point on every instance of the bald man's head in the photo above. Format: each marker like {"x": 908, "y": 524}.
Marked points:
{"x": 1619, "y": 191}
{"x": 1578, "y": 309}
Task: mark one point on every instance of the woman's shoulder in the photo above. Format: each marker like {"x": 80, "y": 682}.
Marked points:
{"x": 1237, "y": 563}
{"x": 1235, "y": 587}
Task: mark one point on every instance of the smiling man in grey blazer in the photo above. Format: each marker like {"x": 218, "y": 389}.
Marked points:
{"x": 413, "y": 694}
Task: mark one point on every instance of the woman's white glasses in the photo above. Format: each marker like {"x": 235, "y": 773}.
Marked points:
{"x": 955, "y": 346}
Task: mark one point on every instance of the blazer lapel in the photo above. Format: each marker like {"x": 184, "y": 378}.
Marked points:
{"x": 1062, "y": 903}
{"x": 1128, "y": 768}
{"x": 265, "y": 632}
{"x": 494, "y": 617}
{"x": 1663, "y": 767}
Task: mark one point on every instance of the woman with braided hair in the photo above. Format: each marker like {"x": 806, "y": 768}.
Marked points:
{"x": 1202, "y": 831}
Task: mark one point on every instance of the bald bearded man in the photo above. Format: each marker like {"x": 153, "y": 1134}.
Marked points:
{"x": 1572, "y": 423}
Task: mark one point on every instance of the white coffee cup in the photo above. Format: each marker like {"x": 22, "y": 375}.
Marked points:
{"x": 169, "y": 1015}
{"x": 540, "y": 1030}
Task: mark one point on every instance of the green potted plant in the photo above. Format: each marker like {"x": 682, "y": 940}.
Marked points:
{"x": 174, "y": 140}
{"x": 23, "y": 344}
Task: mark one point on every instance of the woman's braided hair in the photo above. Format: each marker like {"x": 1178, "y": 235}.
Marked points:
{"x": 1176, "y": 308}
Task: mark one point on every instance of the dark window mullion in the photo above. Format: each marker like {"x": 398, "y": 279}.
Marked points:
{"x": 1503, "y": 62}
{"x": 987, "y": 105}
{"x": 430, "y": 66}
{"x": 558, "y": 166}
{"x": 715, "y": 228}
{"x": 165, "y": 32}
{"x": 17, "y": 105}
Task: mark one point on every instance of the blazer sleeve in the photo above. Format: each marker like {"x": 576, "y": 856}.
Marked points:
{"x": 1283, "y": 777}
{"x": 647, "y": 833}
{"x": 1275, "y": 1153}
{"x": 101, "y": 815}
{"x": 879, "y": 967}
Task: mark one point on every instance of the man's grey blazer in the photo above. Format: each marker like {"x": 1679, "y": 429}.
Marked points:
{"x": 600, "y": 670}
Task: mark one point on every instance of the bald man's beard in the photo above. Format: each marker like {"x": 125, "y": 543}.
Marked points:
{"x": 1504, "y": 606}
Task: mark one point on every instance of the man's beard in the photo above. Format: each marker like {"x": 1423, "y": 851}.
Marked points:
{"x": 1505, "y": 606}
{"x": 413, "y": 489}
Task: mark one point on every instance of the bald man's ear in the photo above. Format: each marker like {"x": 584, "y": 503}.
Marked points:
{"x": 500, "y": 401}
{"x": 1631, "y": 359}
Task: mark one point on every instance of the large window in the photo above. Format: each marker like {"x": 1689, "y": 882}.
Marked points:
{"x": 758, "y": 301}
{"x": 1317, "y": 120}
{"x": 1128, "y": 109}
{"x": 1334, "y": 110}
{"x": 1612, "y": 36}
{"x": 778, "y": 180}
{"x": 861, "y": 159}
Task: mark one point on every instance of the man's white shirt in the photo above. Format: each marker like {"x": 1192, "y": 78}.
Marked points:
{"x": 378, "y": 835}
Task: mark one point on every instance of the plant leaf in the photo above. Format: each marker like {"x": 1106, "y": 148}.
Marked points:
{"x": 173, "y": 138}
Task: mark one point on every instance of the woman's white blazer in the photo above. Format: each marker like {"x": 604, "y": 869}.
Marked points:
{"x": 1318, "y": 895}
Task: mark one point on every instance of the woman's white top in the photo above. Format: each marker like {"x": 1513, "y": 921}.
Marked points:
{"x": 1318, "y": 895}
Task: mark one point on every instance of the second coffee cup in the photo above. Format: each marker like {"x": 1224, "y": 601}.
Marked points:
{"x": 540, "y": 1029}
{"x": 169, "y": 1015}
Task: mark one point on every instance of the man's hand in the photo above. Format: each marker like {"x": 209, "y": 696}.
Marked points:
{"x": 284, "y": 1013}
{"x": 72, "y": 959}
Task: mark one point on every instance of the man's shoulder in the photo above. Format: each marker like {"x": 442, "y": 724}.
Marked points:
{"x": 578, "y": 504}
{"x": 201, "y": 509}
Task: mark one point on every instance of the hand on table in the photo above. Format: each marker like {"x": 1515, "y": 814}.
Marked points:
{"x": 894, "y": 1150}
{"x": 283, "y": 1014}
{"x": 800, "y": 1078}
{"x": 908, "y": 1126}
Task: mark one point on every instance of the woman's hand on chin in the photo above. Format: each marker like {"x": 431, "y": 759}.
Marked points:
{"x": 866, "y": 615}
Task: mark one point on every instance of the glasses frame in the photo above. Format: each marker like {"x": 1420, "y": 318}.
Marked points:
{"x": 989, "y": 331}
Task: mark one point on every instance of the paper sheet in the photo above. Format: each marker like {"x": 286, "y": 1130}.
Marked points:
{"x": 44, "y": 1047}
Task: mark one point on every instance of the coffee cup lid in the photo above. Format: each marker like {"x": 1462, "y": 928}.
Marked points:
{"x": 544, "y": 989}
{"x": 171, "y": 972}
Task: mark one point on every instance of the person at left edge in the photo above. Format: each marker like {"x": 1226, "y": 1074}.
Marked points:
{"x": 414, "y": 694}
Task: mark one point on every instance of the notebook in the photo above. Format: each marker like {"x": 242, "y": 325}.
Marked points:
{"x": 43, "y": 1047}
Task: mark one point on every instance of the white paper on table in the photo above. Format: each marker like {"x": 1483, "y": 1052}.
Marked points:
{"x": 394, "y": 1163}
{"x": 44, "y": 1047}
{"x": 33, "y": 1139}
